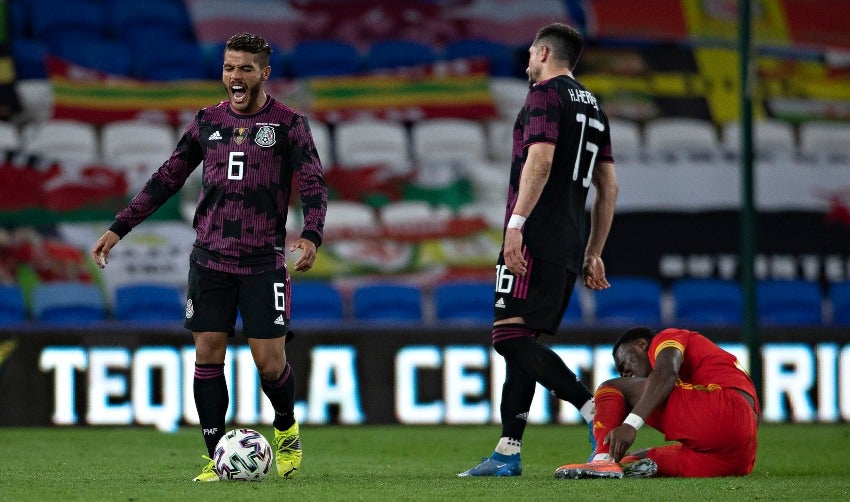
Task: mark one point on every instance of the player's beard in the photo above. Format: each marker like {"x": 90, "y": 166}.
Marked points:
{"x": 252, "y": 95}
{"x": 533, "y": 77}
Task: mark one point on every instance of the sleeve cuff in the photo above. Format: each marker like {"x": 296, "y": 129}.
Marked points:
{"x": 312, "y": 236}
{"x": 120, "y": 228}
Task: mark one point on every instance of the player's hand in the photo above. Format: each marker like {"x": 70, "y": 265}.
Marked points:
{"x": 620, "y": 439}
{"x": 100, "y": 250}
{"x": 308, "y": 254}
{"x": 514, "y": 260}
{"x": 594, "y": 273}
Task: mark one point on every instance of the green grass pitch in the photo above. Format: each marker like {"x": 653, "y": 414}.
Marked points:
{"x": 795, "y": 462}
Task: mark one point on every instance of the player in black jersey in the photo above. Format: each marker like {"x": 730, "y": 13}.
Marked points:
{"x": 251, "y": 147}
{"x": 561, "y": 145}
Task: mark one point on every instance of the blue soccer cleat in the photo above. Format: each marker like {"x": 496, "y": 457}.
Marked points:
{"x": 497, "y": 465}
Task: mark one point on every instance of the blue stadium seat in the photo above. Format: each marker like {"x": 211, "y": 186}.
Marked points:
{"x": 468, "y": 301}
{"x": 387, "y": 302}
{"x": 110, "y": 56}
{"x": 157, "y": 18}
{"x": 323, "y": 58}
{"x": 316, "y": 301}
{"x": 839, "y": 296}
{"x": 789, "y": 302}
{"x": 169, "y": 60}
{"x": 629, "y": 300}
{"x": 501, "y": 57}
{"x": 149, "y": 302}
{"x": 707, "y": 301}
{"x": 56, "y": 22}
{"x": 29, "y": 59}
{"x": 68, "y": 303}
{"x": 12, "y": 308}
{"x": 398, "y": 53}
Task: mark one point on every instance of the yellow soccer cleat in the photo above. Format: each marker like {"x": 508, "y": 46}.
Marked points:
{"x": 287, "y": 446}
{"x": 207, "y": 473}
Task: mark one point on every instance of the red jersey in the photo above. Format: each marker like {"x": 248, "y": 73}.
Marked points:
{"x": 704, "y": 364}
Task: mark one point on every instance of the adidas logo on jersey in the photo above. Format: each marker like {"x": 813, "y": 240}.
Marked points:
{"x": 280, "y": 320}
{"x": 214, "y": 136}
{"x": 500, "y": 303}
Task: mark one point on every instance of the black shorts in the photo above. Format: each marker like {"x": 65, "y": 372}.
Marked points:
{"x": 261, "y": 299}
{"x": 540, "y": 297}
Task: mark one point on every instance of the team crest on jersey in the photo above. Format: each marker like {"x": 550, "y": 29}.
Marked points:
{"x": 265, "y": 136}
{"x": 239, "y": 134}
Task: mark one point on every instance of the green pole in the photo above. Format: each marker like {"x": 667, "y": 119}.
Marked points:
{"x": 748, "y": 214}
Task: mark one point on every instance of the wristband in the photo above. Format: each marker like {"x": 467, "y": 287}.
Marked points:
{"x": 633, "y": 420}
{"x": 516, "y": 221}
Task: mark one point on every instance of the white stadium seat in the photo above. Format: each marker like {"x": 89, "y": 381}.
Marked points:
{"x": 825, "y": 141}
{"x": 772, "y": 139}
{"x": 63, "y": 140}
{"x": 363, "y": 143}
{"x": 448, "y": 140}
{"x": 677, "y": 139}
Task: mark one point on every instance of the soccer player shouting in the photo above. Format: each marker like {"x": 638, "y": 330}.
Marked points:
{"x": 251, "y": 146}
{"x": 685, "y": 386}
{"x": 561, "y": 146}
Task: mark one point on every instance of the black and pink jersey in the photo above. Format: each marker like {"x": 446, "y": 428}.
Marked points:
{"x": 562, "y": 112}
{"x": 249, "y": 162}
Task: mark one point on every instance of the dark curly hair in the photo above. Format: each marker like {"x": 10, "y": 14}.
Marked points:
{"x": 255, "y": 44}
{"x": 631, "y": 335}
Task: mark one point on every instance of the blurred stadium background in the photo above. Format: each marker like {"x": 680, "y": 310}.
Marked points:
{"x": 94, "y": 94}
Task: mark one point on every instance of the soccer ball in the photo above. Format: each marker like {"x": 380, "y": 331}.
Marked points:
{"x": 242, "y": 455}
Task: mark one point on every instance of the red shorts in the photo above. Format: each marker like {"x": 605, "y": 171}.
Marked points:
{"x": 710, "y": 443}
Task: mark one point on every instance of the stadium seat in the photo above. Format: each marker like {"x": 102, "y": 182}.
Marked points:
{"x": 323, "y": 142}
{"x": 396, "y": 53}
{"x": 350, "y": 219}
{"x": 168, "y": 59}
{"x": 61, "y": 22}
{"x": 789, "y": 302}
{"x": 10, "y": 138}
{"x": 500, "y": 56}
{"x": 149, "y": 302}
{"x": 629, "y": 300}
{"x": 368, "y": 142}
{"x": 316, "y": 301}
{"x": 28, "y": 55}
{"x": 839, "y": 296}
{"x": 20, "y": 19}
{"x": 324, "y": 58}
{"x": 825, "y": 141}
{"x": 626, "y": 140}
{"x": 132, "y": 137}
{"x": 159, "y": 19}
{"x": 413, "y": 216}
{"x": 772, "y": 139}
{"x": 109, "y": 56}
{"x": 62, "y": 140}
{"x": 707, "y": 301}
{"x": 36, "y": 97}
{"x": 388, "y": 302}
{"x": 509, "y": 95}
{"x": 447, "y": 139}
{"x": 677, "y": 139}
{"x": 500, "y": 140}
{"x": 464, "y": 301}
{"x": 68, "y": 303}
{"x": 12, "y": 307}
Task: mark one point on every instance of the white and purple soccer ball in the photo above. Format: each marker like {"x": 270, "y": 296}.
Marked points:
{"x": 242, "y": 455}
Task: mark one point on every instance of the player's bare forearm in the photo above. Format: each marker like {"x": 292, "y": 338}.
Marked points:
{"x": 514, "y": 259}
